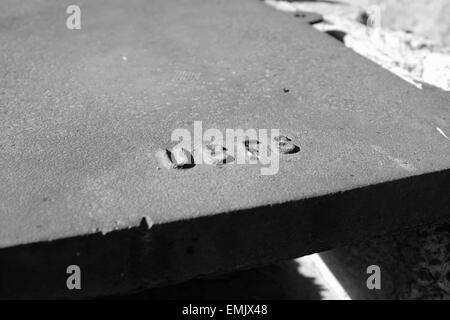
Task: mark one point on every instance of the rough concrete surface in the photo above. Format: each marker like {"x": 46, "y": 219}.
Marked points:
{"x": 80, "y": 126}
{"x": 414, "y": 264}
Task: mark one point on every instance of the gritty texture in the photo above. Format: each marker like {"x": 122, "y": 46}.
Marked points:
{"x": 83, "y": 113}
{"x": 81, "y": 126}
{"x": 406, "y": 39}
{"x": 414, "y": 265}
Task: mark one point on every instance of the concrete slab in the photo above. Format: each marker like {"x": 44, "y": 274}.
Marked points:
{"x": 84, "y": 111}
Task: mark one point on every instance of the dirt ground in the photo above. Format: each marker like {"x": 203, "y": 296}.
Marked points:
{"x": 409, "y": 38}
{"x": 427, "y": 18}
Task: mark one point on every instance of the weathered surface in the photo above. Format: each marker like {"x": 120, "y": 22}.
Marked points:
{"x": 83, "y": 112}
{"x": 414, "y": 264}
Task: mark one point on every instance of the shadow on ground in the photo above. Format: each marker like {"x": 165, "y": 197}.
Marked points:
{"x": 279, "y": 281}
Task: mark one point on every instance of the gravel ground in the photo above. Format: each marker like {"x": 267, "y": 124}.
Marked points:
{"x": 410, "y": 39}
{"x": 415, "y": 265}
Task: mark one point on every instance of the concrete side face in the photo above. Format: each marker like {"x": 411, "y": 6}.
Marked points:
{"x": 84, "y": 111}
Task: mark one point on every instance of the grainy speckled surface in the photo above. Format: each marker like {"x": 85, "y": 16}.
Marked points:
{"x": 414, "y": 264}
{"x": 80, "y": 125}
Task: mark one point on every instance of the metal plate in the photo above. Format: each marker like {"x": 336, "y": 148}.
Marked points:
{"x": 82, "y": 113}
